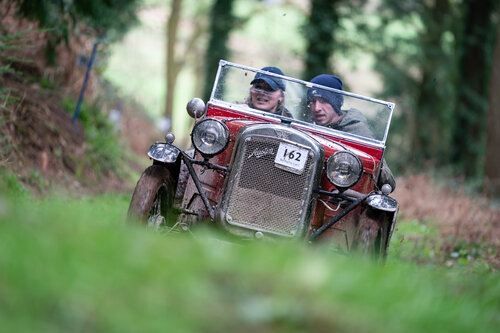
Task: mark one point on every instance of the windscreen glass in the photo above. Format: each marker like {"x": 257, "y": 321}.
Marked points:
{"x": 303, "y": 103}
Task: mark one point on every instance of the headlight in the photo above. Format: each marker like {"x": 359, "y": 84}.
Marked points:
{"x": 163, "y": 152}
{"x": 210, "y": 137}
{"x": 344, "y": 169}
{"x": 382, "y": 202}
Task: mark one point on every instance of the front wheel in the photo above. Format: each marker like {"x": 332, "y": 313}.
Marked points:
{"x": 152, "y": 201}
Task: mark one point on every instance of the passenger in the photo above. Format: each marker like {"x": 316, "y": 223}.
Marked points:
{"x": 268, "y": 93}
{"x": 326, "y": 110}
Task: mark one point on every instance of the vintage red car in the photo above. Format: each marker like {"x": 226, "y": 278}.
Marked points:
{"x": 259, "y": 175}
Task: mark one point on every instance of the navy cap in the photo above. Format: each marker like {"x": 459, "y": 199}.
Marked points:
{"x": 274, "y": 82}
{"x": 326, "y": 80}
{"x": 331, "y": 81}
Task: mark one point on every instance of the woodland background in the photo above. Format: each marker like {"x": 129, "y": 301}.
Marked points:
{"x": 439, "y": 61}
{"x": 68, "y": 262}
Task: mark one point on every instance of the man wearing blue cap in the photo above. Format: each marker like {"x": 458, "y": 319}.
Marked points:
{"x": 326, "y": 107}
{"x": 268, "y": 93}
{"x": 326, "y": 111}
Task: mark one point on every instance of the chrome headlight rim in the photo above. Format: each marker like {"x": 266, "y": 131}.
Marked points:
{"x": 382, "y": 202}
{"x": 163, "y": 152}
{"x": 330, "y": 164}
{"x": 222, "y": 140}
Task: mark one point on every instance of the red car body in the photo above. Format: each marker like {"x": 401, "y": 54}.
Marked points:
{"x": 243, "y": 189}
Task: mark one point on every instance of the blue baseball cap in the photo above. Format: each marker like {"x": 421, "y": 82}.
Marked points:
{"x": 274, "y": 82}
{"x": 331, "y": 81}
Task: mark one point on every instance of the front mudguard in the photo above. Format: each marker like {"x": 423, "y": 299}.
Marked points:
{"x": 171, "y": 156}
{"x": 373, "y": 224}
{"x": 374, "y": 229}
{"x": 385, "y": 208}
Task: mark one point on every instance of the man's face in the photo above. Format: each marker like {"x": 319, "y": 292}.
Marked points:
{"x": 323, "y": 112}
{"x": 263, "y": 97}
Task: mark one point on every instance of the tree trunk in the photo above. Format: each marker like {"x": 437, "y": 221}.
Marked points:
{"x": 172, "y": 67}
{"x": 428, "y": 127}
{"x": 221, "y": 23}
{"x": 492, "y": 159}
{"x": 474, "y": 72}
{"x": 319, "y": 34}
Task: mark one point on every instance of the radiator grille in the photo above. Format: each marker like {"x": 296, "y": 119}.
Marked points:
{"x": 265, "y": 197}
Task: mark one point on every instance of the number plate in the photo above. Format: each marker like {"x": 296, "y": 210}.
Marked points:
{"x": 291, "y": 158}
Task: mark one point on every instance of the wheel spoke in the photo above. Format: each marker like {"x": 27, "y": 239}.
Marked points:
{"x": 155, "y": 219}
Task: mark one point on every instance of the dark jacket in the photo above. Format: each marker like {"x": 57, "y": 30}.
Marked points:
{"x": 354, "y": 122}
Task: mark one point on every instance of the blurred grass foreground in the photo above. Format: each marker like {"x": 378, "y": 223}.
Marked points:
{"x": 75, "y": 266}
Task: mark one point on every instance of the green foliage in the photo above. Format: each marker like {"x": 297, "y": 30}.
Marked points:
{"x": 10, "y": 184}
{"x": 327, "y": 35}
{"x": 62, "y": 15}
{"x": 419, "y": 242}
{"x": 222, "y": 21}
{"x": 104, "y": 151}
{"x": 46, "y": 83}
{"x": 433, "y": 59}
{"x": 10, "y": 42}
{"x": 109, "y": 18}
{"x": 319, "y": 32}
{"x": 415, "y": 56}
{"x": 36, "y": 180}
{"x": 475, "y": 48}
{"x": 5, "y": 139}
{"x": 74, "y": 265}
{"x": 414, "y": 241}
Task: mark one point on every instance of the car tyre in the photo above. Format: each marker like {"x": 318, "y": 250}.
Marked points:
{"x": 152, "y": 201}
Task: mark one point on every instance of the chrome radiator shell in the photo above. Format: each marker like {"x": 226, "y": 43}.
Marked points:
{"x": 260, "y": 197}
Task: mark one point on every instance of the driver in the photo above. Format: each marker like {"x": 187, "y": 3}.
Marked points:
{"x": 325, "y": 107}
{"x": 268, "y": 93}
{"x": 326, "y": 110}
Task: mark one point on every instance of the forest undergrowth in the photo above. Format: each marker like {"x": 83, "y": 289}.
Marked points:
{"x": 47, "y": 152}
{"x": 445, "y": 224}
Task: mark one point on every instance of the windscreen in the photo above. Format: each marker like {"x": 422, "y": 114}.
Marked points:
{"x": 301, "y": 103}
